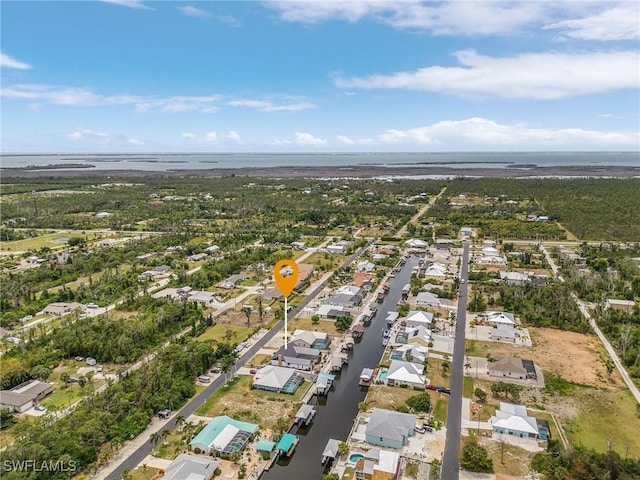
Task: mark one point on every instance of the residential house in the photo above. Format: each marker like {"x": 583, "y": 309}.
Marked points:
{"x": 202, "y": 297}
{"x": 406, "y": 373}
{"x": 336, "y": 249}
{"x": 223, "y": 434}
{"x": 427, "y": 299}
{"x": 365, "y": 266}
{"x": 507, "y": 367}
{"x": 300, "y": 358}
{"x": 298, "y": 245}
{"x": 277, "y": 379}
{"x": 272, "y": 293}
{"x": 501, "y": 318}
{"x": 512, "y": 419}
{"x": 378, "y": 464}
{"x": 414, "y": 335}
{"x": 410, "y": 353}
{"x": 436, "y": 270}
{"x": 307, "y": 339}
{"x": 514, "y": 278}
{"x": 58, "y": 309}
{"x": 503, "y": 333}
{"x": 190, "y": 467}
{"x": 348, "y": 296}
{"x": 418, "y": 318}
{"x": 212, "y": 248}
{"x": 416, "y": 243}
{"x": 331, "y": 312}
{"x": 623, "y": 305}
{"x": 230, "y": 282}
{"x": 102, "y": 214}
{"x": 197, "y": 257}
{"x": 466, "y": 232}
{"x": 24, "y": 396}
{"x": 387, "y": 428}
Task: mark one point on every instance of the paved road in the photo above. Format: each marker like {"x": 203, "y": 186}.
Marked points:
{"x": 421, "y": 212}
{"x": 450, "y": 460}
{"x": 146, "y": 448}
{"x": 607, "y": 345}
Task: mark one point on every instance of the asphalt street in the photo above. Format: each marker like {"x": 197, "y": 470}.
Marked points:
{"x": 145, "y": 449}
{"x": 450, "y": 460}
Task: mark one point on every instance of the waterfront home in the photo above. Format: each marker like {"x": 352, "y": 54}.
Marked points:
{"x": 378, "y": 464}
{"x": 410, "y": 353}
{"x": 427, "y": 299}
{"x": 406, "y": 374}
{"x": 190, "y": 467}
{"x": 418, "y": 318}
{"x": 223, "y": 434}
{"x": 300, "y": 358}
{"x": 308, "y": 339}
{"x": 387, "y": 428}
{"x": 277, "y": 379}
{"x": 365, "y": 266}
{"x": 414, "y": 335}
{"x": 324, "y": 381}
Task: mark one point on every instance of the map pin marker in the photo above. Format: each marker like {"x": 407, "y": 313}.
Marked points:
{"x": 285, "y": 274}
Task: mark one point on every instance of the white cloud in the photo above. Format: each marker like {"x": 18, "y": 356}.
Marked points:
{"x": 212, "y": 138}
{"x": 84, "y": 97}
{"x": 527, "y": 75}
{"x": 443, "y": 18}
{"x": 194, "y": 12}
{"x": 307, "y": 140}
{"x": 486, "y": 134}
{"x": 622, "y": 22}
{"x": 7, "y": 61}
{"x": 344, "y": 140}
{"x": 268, "y": 106}
{"x": 92, "y": 137}
{"x": 135, "y": 4}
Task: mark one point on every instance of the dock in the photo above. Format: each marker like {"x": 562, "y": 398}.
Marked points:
{"x": 305, "y": 415}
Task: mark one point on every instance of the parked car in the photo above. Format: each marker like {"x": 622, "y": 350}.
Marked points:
{"x": 431, "y": 386}
{"x": 99, "y": 368}
{"x": 253, "y": 371}
{"x": 444, "y": 390}
{"x": 428, "y": 428}
{"x": 419, "y": 429}
{"x": 79, "y": 359}
{"x": 73, "y": 380}
{"x": 40, "y": 408}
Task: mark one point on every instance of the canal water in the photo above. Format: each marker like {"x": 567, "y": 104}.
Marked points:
{"x": 337, "y": 411}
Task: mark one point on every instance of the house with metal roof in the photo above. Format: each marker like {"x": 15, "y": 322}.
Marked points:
{"x": 224, "y": 435}
{"x": 512, "y": 419}
{"x": 190, "y": 467}
{"x": 501, "y": 318}
{"x": 24, "y": 396}
{"x": 300, "y": 358}
{"x": 406, "y": 373}
{"x": 387, "y": 428}
{"x": 277, "y": 379}
{"x": 308, "y": 339}
{"x": 378, "y": 464}
{"x": 417, "y": 318}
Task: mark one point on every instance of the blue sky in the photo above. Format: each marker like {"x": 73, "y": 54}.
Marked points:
{"x": 138, "y": 76}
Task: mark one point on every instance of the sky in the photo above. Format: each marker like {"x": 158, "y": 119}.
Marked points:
{"x": 332, "y": 76}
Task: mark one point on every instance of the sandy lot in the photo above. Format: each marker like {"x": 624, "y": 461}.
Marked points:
{"x": 575, "y": 357}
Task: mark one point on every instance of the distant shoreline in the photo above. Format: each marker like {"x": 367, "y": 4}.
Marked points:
{"x": 364, "y": 171}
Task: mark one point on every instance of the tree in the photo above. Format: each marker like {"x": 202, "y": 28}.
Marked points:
{"x": 260, "y": 308}
{"x": 315, "y": 319}
{"x": 7, "y": 418}
{"x": 480, "y": 394}
{"x": 445, "y": 368}
{"x": 467, "y": 366}
{"x": 610, "y": 366}
{"x": 41, "y": 372}
{"x": 475, "y": 458}
{"x": 420, "y": 402}
{"x": 343, "y": 448}
{"x": 247, "y": 309}
{"x": 343, "y": 322}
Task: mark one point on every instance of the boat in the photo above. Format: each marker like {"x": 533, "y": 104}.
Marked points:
{"x": 366, "y": 377}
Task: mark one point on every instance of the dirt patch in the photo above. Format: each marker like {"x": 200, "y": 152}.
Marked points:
{"x": 576, "y": 357}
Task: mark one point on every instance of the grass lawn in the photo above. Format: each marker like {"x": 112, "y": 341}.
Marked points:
{"x": 603, "y": 416}
{"x": 51, "y": 240}
{"x": 508, "y": 459}
{"x": 327, "y": 260}
{"x": 171, "y": 446}
{"x": 241, "y": 402}
{"x": 468, "y": 387}
{"x": 143, "y": 473}
{"x": 219, "y": 330}
{"x": 64, "y": 397}
{"x": 434, "y": 372}
{"x": 326, "y": 326}
{"x": 259, "y": 359}
{"x": 440, "y": 407}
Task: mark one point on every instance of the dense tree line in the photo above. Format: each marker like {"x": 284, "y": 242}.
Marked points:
{"x": 105, "y": 339}
{"x": 580, "y": 463}
{"x": 548, "y": 305}
{"x": 104, "y": 421}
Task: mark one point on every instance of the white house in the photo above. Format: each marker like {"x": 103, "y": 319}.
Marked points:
{"x": 514, "y": 278}
{"x": 410, "y": 353}
{"x": 417, "y": 318}
{"x": 406, "y": 373}
{"x": 416, "y": 243}
{"x": 277, "y": 379}
{"x": 512, "y": 419}
{"x": 427, "y": 299}
{"x": 365, "y": 266}
{"x": 501, "y": 318}
{"x": 436, "y": 269}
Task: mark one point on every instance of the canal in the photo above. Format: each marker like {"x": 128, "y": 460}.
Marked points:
{"x": 337, "y": 411}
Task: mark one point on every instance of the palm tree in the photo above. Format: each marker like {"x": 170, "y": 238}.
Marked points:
{"x": 180, "y": 421}
{"x": 467, "y": 366}
{"x": 154, "y": 438}
{"x": 247, "y": 311}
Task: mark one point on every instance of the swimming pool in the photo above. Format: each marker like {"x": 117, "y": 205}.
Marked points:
{"x": 354, "y": 457}
{"x": 382, "y": 375}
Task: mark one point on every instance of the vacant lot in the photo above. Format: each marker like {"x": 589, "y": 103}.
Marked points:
{"x": 326, "y": 326}
{"x": 237, "y": 333}
{"x": 390, "y": 398}
{"x": 257, "y": 406}
{"x": 508, "y": 459}
{"x": 576, "y": 357}
{"x": 50, "y": 240}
